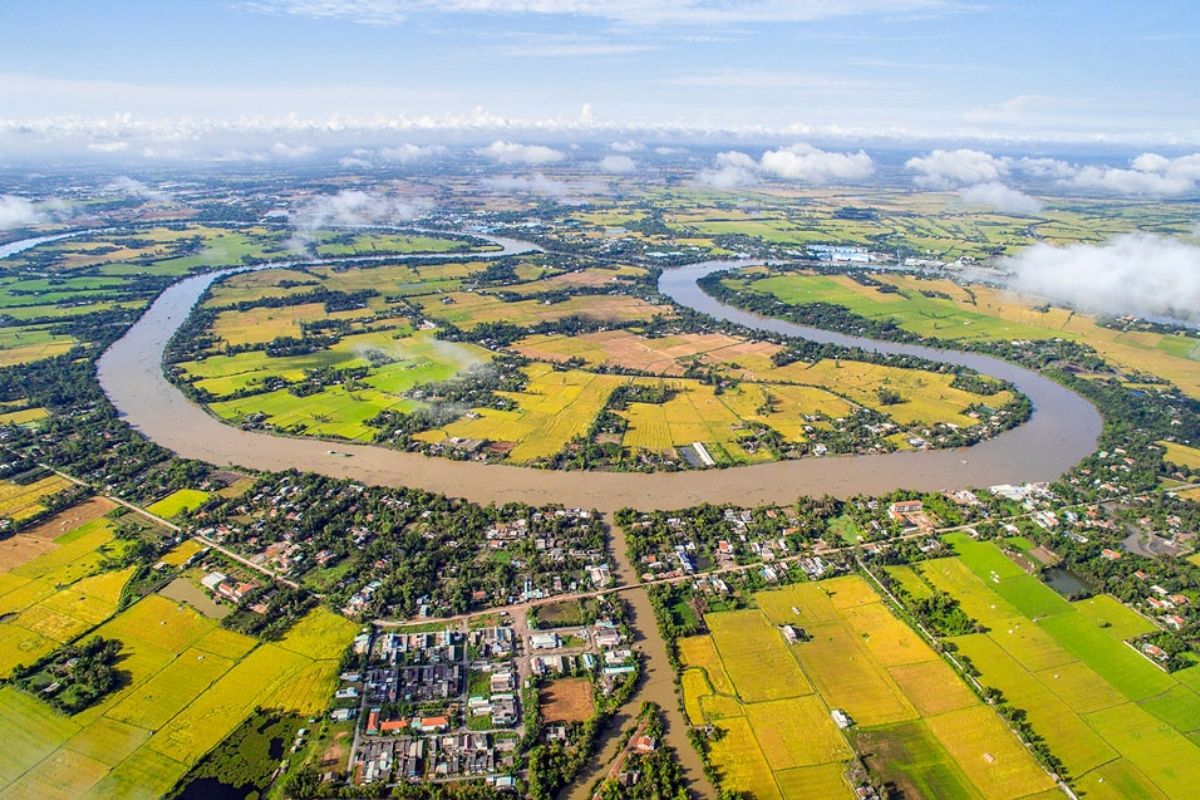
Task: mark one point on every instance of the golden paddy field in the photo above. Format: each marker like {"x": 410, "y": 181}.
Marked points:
{"x": 772, "y": 701}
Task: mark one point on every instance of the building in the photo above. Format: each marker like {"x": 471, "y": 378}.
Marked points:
{"x": 543, "y": 641}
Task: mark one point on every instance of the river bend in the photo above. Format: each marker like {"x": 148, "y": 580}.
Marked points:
{"x": 1063, "y": 429}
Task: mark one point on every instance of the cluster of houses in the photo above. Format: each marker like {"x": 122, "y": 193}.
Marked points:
{"x": 233, "y": 590}
{"x": 444, "y": 756}
{"x": 423, "y": 716}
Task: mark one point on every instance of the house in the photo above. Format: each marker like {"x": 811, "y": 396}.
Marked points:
{"x": 212, "y": 580}
{"x": 841, "y": 718}
{"x": 543, "y": 641}
{"x": 433, "y": 724}
{"x": 644, "y": 744}
{"x": 1111, "y": 555}
{"x": 899, "y": 511}
{"x": 1174, "y": 621}
{"x": 606, "y": 637}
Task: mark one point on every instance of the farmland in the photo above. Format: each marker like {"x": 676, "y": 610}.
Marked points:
{"x": 929, "y": 224}
{"x": 978, "y": 312}
{"x": 190, "y": 684}
{"x": 178, "y": 502}
{"x": 348, "y": 352}
{"x": 1119, "y": 723}
{"x": 772, "y": 702}
{"x": 186, "y": 682}
{"x": 19, "y": 502}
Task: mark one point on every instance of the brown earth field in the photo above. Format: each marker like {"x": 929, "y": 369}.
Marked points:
{"x": 566, "y": 700}
{"x": 29, "y": 544}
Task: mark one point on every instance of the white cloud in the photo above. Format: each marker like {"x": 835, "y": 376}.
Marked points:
{"x": 806, "y": 163}
{"x": 512, "y": 153}
{"x": 292, "y": 151}
{"x": 107, "y": 147}
{"x": 731, "y": 170}
{"x": 532, "y": 184}
{"x": 619, "y": 165}
{"x": 978, "y": 178}
{"x": 350, "y": 208}
{"x": 627, "y": 146}
{"x": 20, "y": 212}
{"x": 1000, "y": 197}
{"x": 949, "y": 169}
{"x": 354, "y": 162}
{"x": 1149, "y": 174}
{"x": 798, "y": 162}
{"x": 130, "y": 187}
{"x": 1136, "y": 273}
{"x": 407, "y": 153}
{"x": 641, "y": 12}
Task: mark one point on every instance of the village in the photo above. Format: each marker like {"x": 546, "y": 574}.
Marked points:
{"x": 450, "y": 701}
{"x": 344, "y": 541}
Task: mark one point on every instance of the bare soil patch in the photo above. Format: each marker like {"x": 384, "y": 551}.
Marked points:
{"x": 71, "y": 518}
{"x": 38, "y": 540}
{"x": 567, "y": 700}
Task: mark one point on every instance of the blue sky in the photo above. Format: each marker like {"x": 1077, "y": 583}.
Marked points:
{"x": 1119, "y": 72}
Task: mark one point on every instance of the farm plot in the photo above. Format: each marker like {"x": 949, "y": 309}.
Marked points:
{"x": 554, "y": 408}
{"x": 57, "y": 595}
{"x": 566, "y": 700}
{"x": 773, "y": 700}
{"x": 1102, "y": 708}
{"x": 985, "y": 313}
{"x": 190, "y": 684}
{"x": 26, "y": 345}
{"x": 262, "y": 325}
{"x": 340, "y": 410}
{"x": 22, "y": 501}
{"x": 468, "y": 310}
{"x": 177, "y": 502}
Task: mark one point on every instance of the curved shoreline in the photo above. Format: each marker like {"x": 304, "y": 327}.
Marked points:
{"x": 1063, "y": 428}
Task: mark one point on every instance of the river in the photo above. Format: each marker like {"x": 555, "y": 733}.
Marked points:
{"x": 1063, "y": 429}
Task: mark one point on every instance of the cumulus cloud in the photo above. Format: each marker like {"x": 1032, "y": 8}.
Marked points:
{"x": 20, "y": 212}
{"x": 354, "y": 162}
{"x": 799, "y": 162}
{"x": 618, "y": 165}
{"x": 976, "y": 175}
{"x": 131, "y": 187}
{"x": 282, "y": 150}
{"x": 407, "y": 153}
{"x": 107, "y": 147}
{"x": 802, "y": 162}
{"x": 503, "y": 152}
{"x": 1137, "y": 273}
{"x": 1150, "y": 174}
{"x": 531, "y": 184}
{"x": 627, "y": 146}
{"x": 950, "y": 169}
{"x": 350, "y": 208}
{"x": 731, "y": 170}
{"x": 1000, "y": 197}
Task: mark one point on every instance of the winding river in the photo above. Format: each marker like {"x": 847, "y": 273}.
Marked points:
{"x": 1063, "y": 429}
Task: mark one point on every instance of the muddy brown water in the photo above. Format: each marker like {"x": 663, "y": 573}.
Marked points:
{"x": 1063, "y": 429}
